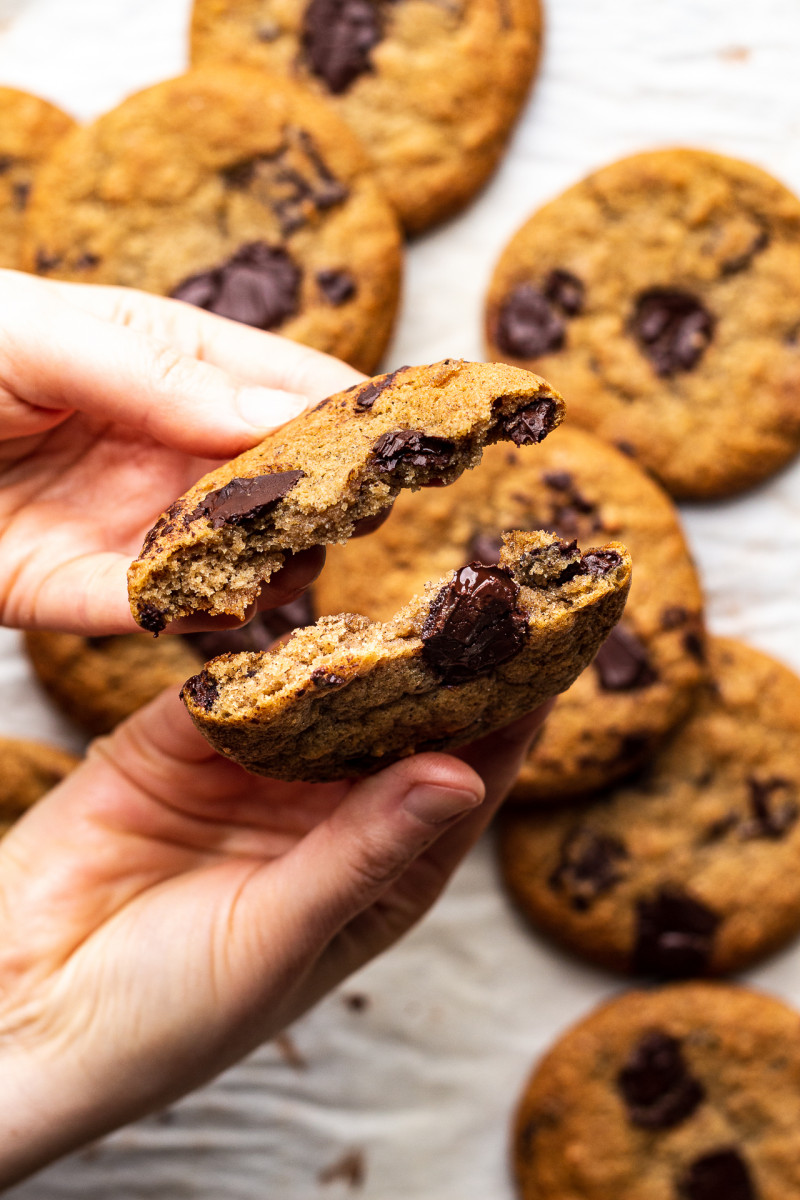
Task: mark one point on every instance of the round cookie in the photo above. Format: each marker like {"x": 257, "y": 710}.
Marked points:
{"x": 237, "y": 193}
{"x": 98, "y": 682}
{"x": 29, "y": 129}
{"x": 683, "y": 1093}
{"x": 431, "y": 89}
{"x": 643, "y": 680}
{"x": 27, "y": 771}
{"x": 661, "y": 295}
{"x": 694, "y": 866}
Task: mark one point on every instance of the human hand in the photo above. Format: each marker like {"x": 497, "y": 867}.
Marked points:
{"x": 162, "y": 913}
{"x": 112, "y": 403}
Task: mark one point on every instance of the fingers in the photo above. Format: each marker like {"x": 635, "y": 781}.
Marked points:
{"x": 57, "y": 357}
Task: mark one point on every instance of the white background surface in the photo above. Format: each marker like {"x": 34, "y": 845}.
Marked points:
{"x": 423, "y": 1080}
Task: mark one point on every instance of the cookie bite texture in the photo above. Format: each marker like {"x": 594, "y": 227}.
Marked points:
{"x": 310, "y": 481}
{"x": 481, "y": 647}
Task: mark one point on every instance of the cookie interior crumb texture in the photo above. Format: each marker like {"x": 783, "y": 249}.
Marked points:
{"x": 308, "y": 483}
{"x": 481, "y": 647}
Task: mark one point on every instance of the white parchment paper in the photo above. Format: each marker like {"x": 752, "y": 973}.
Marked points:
{"x": 401, "y": 1086}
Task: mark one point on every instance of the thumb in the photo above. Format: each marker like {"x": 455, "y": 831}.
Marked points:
{"x": 56, "y": 358}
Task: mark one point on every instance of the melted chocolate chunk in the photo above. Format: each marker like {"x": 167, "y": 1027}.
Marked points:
{"x": 694, "y": 644}
{"x": 589, "y": 865}
{"x": 601, "y": 562}
{"x": 336, "y": 286}
{"x": 622, "y": 662}
{"x": 326, "y": 679}
{"x": 673, "y": 617}
{"x": 86, "y": 261}
{"x": 566, "y": 290}
{"x": 530, "y": 425}
{"x": 673, "y": 329}
{"x": 21, "y": 194}
{"x": 246, "y": 499}
{"x": 45, "y": 261}
{"x": 411, "y": 447}
{"x": 6, "y": 163}
{"x": 485, "y": 548}
{"x": 769, "y": 819}
{"x": 722, "y": 1175}
{"x": 740, "y": 262}
{"x": 152, "y": 619}
{"x": 674, "y": 934}
{"x": 562, "y": 481}
{"x": 202, "y": 690}
{"x": 338, "y": 37}
{"x": 259, "y": 286}
{"x": 657, "y": 1088}
{"x": 368, "y": 393}
{"x": 528, "y": 325}
{"x": 473, "y": 624}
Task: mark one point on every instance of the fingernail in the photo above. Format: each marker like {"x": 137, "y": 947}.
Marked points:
{"x": 438, "y": 805}
{"x": 266, "y": 409}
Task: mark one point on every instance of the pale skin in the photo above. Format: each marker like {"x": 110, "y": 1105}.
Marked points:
{"x": 162, "y": 912}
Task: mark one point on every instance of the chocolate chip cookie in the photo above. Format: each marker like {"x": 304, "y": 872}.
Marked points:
{"x": 27, "y": 771}
{"x": 694, "y": 866}
{"x": 643, "y": 679}
{"x": 99, "y": 681}
{"x": 240, "y": 194}
{"x": 690, "y": 1092}
{"x": 308, "y": 483}
{"x": 660, "y": 294}
{"x": 431, "y": 89}
{"x": 29, "y": 129}
{"x": 481, "y": 647}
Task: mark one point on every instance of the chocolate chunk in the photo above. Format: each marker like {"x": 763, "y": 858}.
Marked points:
{"x": 622, "y": 662}
{"x": 673, "y": 329}
{"x": 86, "y": 261}
{"x": 528, "y": 325}
{"x": 562, "y": 481}
{"x": 694, "y": 644}
{"x": 673, "y": 617}
{"x": 368, "y": 393}
{"x": 152, "y": 619}
{"x": 589, "y": 865}
{"x": 326, "y": 679}
{"x": 674, "y": 934}
{"x": 473, "y": 624}
{"x": 46, "y": 262}
{"x": 246, "y": 499}
{"x": 657, "y": 1088}
{"x": 721, "y": 1175}
{"x": 202, "y": 690}
{"x": 21, "y": 194}
{"x": 566, "y": 290}
{"x": 336, "y": 286}
{"x": 337, "y": 39}
{"x": 259, "y": 286}
{"x": 529, "y": 425}
{"x": 769, "y": 819}
{"x": 740, "y": 262}
{"x": 600, "y": 562}
{"x": 411, "y": 447}
{"x": 485, "y": 548}
{"x": 6, "y": 163}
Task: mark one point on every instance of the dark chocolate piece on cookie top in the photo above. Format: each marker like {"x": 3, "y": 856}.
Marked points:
{"x": 655, "y": 1083}
{"x": 673, "y": 329}
{"x": 622, "y": 662}
{"x": 259, "y": 286}
{"x": 590, "y": 864}
{"x": 771, "y": 816}
{"x": 336, "y": 286}
{"x": 367, "y": 394}
{"x": 202, "y": 689}
{"x": 528, "y": 325}
{"x": 530, "y": 425}
{"x": 473, "y": 624}
{"x": 674, "y": 934}
{"x": 721, "y": 1175}
{"x": 246, "y": 499}
{"x": 337, "y": 39}
{"x": 414, "y": 448}
{"x": 566, "y": 290}
{"x": 151, "y": 618}
{"x": 601, "y": 562}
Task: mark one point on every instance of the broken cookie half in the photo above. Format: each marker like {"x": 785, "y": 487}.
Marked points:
{"x": 310, "y": 481}
{"x": 483, "y": 646}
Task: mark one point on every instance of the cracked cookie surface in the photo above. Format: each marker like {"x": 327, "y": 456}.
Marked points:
{"x": 660, "y": 294}
{"x": 480, "y": 648}
{"x": 644, "y": 678}
{"x": 244, "y": 196}
{"x": 693, "y": 867}
{"x": 431, "y": 89}
{"x": 690, "y": 1092}
{"x": 308, "y": 483}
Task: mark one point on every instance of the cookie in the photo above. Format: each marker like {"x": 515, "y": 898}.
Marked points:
{"x": 309, "y": 482}
{"x": 643, "y": 679}
{"x": 98, "y": 682}
{"x": 694, "y": 866}
{"x": 481, "y": 647}
{"x": 240, "y": 194}
{"x": 29, "y": 129}
{"x": 660, "y": 294}
{"x": 690, "y": 1092}
{"x": 431, "y": 89}
{"x": 27, "y": 771}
